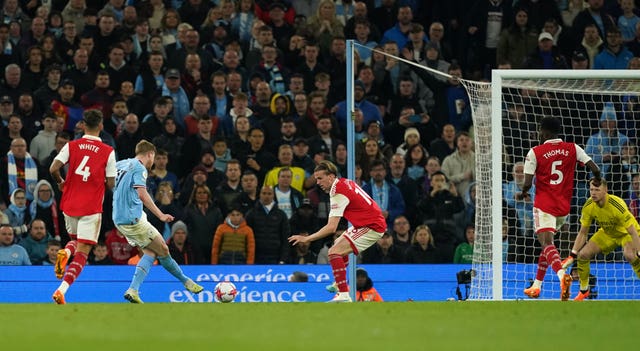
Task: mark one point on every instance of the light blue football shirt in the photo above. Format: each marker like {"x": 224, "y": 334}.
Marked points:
{"x": 127, "y": 205}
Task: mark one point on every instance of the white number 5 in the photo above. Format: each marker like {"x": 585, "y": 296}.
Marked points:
{"x": 556, "y": 171}
{"x": 83, "y": 169}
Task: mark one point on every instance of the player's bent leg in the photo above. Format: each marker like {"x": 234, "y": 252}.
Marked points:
{"x": 632, "y": 257}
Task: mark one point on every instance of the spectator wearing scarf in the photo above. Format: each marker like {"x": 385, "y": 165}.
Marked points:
{"x": 45, "y": 207}
{"x": 17, "y": 213}
{"x": 22, "y": 169}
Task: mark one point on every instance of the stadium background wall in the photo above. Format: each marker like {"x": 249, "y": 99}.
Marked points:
{"x": 34, "y": 284}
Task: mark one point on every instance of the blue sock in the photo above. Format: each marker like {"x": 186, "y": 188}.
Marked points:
{"x": 142, "y": 269}
{"x": 172, "y": 267}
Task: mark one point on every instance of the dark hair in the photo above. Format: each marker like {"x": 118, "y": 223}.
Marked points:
{"x": 551, "y": 125}
{"x": 92, "y": 118}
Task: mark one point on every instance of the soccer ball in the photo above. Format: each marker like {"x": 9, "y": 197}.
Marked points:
{"x": 225, "y": 292}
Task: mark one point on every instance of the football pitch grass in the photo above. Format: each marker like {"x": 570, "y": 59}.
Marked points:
{"x": 511, "y": 325}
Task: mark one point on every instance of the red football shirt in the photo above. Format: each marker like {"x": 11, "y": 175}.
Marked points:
{"x": 553, "y": 165}
{"x": 90, "y": 162}
{"x": 348, "y": 200}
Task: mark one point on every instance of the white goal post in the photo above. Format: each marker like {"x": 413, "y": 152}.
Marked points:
{"x": 506, "y": 113}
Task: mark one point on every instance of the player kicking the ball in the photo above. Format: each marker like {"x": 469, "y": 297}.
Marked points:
{"x": 347, "y": 200}
{"x": 617, "y": 227}
{"x": 553, "y": 165}
{"x": 129, "y": 195}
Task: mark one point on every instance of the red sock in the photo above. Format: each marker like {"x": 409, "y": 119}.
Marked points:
{"x": 74, "y": 269}
{"x": 553, "y": 257}
{"x": 542, "y": 267}
{"x": 72, "y": 246}
{"x": 339, "y": 272}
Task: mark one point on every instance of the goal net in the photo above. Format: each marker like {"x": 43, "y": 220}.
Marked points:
{"x": 600, "y": 111}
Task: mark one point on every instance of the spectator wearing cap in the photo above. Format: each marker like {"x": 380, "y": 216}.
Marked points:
{"x": 518, "y": 40}
{"x": 195, "y": 144}
{"x": 579, "y": 60}
{"x": 370, "y": 111}
{"x": 49, "y": 91}
{"x": 614, "y": 54}
{"x": 197, "y": 177}
{"x": 6, "y": 110}
{"x": 546, "y": 55}
{"x": 399, "y": 32}
{"x": 172, "y": 89}
{"x": 364, "y": 286}
{"x": 181, "y": 248}
{"x": 119, "y": 70}
{"x": 282, "y": 30}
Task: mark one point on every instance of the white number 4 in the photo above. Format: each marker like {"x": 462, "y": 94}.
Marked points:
{"x": 556, "y": 171}
{"x": 83, "y": 169}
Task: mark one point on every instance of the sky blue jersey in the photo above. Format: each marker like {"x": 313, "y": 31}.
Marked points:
{"x": 127, "y": 205}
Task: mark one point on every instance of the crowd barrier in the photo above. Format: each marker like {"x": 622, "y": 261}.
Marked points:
{"x": 35, "y": 284}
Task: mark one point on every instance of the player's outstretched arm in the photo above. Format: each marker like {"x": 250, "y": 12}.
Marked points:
{"x": 594, "y": 169}
{"x": 581, "y": 239}
{"x": 148, "y": 203}
{"x": 328, "y": 229}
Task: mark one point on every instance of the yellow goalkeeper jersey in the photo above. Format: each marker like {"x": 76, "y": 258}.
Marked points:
{"x": 614, "y": 217}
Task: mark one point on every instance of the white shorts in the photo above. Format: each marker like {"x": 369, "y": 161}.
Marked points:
{"x": 544, "y": 222}
{"x": 361, "y": 239}
{"x": 140, "y": 234}
{"x": 85, "y": 229}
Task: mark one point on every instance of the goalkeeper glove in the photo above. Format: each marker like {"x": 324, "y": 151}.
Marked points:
{"x": 569, "y": 260}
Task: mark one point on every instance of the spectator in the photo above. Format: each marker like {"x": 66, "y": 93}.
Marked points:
{"x": 301, "y": 253}
{"x": 100, "y": 255}
{"x": 384, "y": 251}
{"x": 171, "y": 141}
{"x": 36, "y": 242}
{"x": 200, "y": 216}
{"x": 119, "y": 249}
{"x": 229, "y": 191}
{"x": 587, "y": 17}
{"x": 614, "y": 54}
{"x": 384, "y": 193}
{"x": 486, "y": 19}
{"x": 234, "y": 241}
{"x": 364, "y": 287}
{"x": 52, "y": 252}
{"x": 166, "y": 201}
{"x": 271, "y": 229}
{"x": 150, "y": 78}
{"x": 287, "y": 197}
{"x": 604, "y": 145}
{"x": 460, "y": 165}
{"x": 524, "y": 212}
{"x": 416, "y": 160}
{"x": 518, "y": 40}
{"x": 44, "y": 143}
{"x": 17, "y": 215}
{"x": 437, "y": 209}
{"x": 423, "y": 248}
{"x": 324, "y": 25}
{"x": 249, "y": 196}
{"x": 201, "y": 107}
{"x": 11, "y": 254}
{"x": 198, "y": 143}
{"x": 153, "y": 123}
{"x": 546, "y": 55}
{"x": 45, "y": 207}
{"x": 401, "y": 233}
{"x": 180, "y": 248}
{"x": 464, "y": 251}
{"x": 18, "y": 170}
{"x": 100, "y": 97}
{"x": 258, "y": 159}
{"x": 172, "y": 88}
{"x": 130, "y": 135}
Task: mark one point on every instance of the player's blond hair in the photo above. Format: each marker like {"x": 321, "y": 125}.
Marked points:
{"x": 144, "y": 146}
{"x": 327, "y": 166}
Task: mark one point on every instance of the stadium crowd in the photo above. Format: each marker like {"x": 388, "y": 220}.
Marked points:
{"x": 243, "y": 98}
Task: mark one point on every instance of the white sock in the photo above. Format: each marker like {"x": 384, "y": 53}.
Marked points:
{"x": 68, "y": 252}
{"x": 64, "y": 286}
